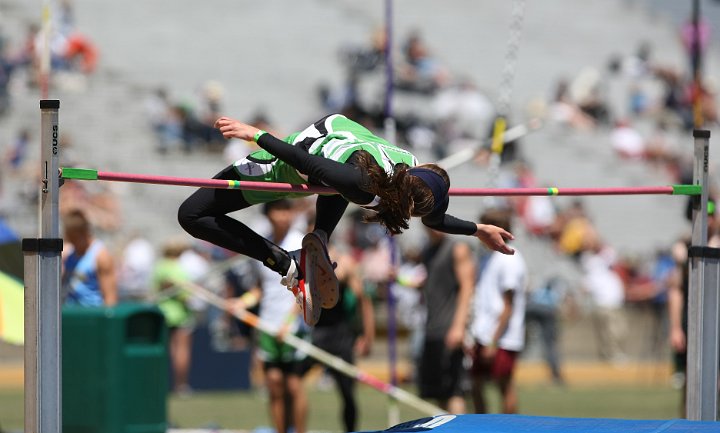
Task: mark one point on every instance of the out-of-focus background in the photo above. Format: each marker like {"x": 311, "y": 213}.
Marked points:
{"x": 604, "y": 87}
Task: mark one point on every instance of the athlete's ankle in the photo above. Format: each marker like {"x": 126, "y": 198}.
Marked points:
{"x": 323, "y": 235}
{"x": 291, "y": 277}
{"x": 294, "y": 256}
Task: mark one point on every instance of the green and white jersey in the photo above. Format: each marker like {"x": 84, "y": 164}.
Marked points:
{"x": 337, "y": 137}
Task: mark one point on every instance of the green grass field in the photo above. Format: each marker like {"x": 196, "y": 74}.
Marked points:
{"x": 247, "y": 411}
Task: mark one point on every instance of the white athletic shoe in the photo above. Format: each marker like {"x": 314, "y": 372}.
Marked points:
{"x": 318, "y": 270}
{"x": 290, "y": 279}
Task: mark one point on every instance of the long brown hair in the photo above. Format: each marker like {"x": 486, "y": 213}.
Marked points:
{"x": 402, "y": 195}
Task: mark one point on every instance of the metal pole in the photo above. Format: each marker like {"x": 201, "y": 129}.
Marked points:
{"x": 391, "y": 136}
{"x": 696, "y": 60}
{"x": 88, "y": 174}
{"x": 43, "y": 403}
{"x": 393, "y": 408}
{"x": 702, "y": 343}
{"x": 314, "y": 352}
{"x": 506, "y": 87}
{"x": 389, "y": 122}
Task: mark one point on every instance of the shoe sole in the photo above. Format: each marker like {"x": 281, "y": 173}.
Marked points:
{"x": 307, "y": 298}
{"x": 319, "y": 271}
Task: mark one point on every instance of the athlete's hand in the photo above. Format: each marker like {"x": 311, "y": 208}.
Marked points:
{"x": 677, "y": 340}
{"x": 236, "y": 306}
{"x": 454, "y": 337}
{"x": 363, "y": 346}
{"x": 494, "y": 238}
{"x": 488, "y": 353}
{"x": 232, "y": 128}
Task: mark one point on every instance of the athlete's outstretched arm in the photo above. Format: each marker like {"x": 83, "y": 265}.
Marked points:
{"x": 492, "y": 236}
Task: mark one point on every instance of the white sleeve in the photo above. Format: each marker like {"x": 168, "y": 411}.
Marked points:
{"x": 511, "y": 277}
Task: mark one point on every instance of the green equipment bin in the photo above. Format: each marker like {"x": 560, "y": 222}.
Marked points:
{"x": 114, "y": 369}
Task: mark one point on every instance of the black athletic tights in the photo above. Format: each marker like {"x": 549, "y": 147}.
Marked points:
{"x": 204, "y": 216}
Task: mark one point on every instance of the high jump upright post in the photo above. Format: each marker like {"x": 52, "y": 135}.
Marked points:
{"x": 43, "y": 404}
{"x": 703, "y": 299}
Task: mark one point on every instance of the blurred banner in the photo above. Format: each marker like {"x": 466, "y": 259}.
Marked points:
{"x": 11, "y": 309}
{"x": 11, "y": 286}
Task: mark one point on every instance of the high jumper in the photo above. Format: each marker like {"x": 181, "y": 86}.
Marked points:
{"x": 341, "y": 154}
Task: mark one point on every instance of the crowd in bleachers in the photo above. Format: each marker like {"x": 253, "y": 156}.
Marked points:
{"x": 438, "y": 111}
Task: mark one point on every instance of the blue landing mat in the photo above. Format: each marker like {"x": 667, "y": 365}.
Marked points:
{"x": 544, "y": 424}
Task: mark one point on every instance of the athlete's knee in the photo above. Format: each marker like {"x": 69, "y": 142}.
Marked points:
{"x": 188, "y": 218}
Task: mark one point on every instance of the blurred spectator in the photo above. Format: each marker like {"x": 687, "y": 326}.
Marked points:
{"x": 676, "y": 101}
{"x": 411, "y": 309}
{"x": 638, "y": 100}
{"x": 448, "y": 291}
{"x": 8, "y": 66}
{"x": 196, "y": 259}
{"x": 636, "y": 65}
{"x": 542, "y": 311}
{"x": 70, "y": 49}
{"x": 95, "y": 199}
{"x": 589, "y": 93}
{"x": 607, "y": 293}
{"x": 28, "y": 54}
{"x": 65, "y": 17}
{"x": 695, "y": 38}
{"x": 243, "y": 277}
{"x": 196, "y": 262}
{"x": 662, "y": 149}
{"x": 565, "y": 112}
{"x": 88, "y": 278}
{"x": 346, "y": 329}
{"x": 498, "y": 326}
{"x": 627, "y": 141}
{"x": 79, "y": 53}
{"x": 421, "y": 73}
{"x": 706, "y": 92}
{"x": 72, "y": 52}
{"x": 376, "y": 262}
{"x": 461, "y": 113}
{"x": 282, "y": 364}
{"x": 17, "y": 152}
{"x": 629, "y": 75}
{"x": 538, "y": 213}
{"x": 163, "y": 120}
{"x": 211, "y": 102}
{"x": 196, "y": 133}
{"x": 358, "y": 62}
{"x": 677, "y": 316}
{"x": 136, "y": 269}
{"x": 168, "y": 279}
{"x": 573, "y": 230}
{"x": 370, "y": 246}
{"x": 663, "y": 278}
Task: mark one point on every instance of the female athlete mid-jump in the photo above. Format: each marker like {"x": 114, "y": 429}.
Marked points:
{"x": 341, "y": 154}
